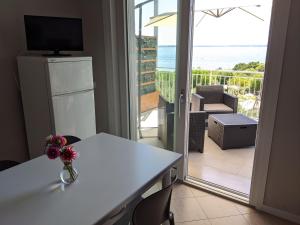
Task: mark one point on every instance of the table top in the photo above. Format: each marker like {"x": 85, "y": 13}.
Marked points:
{"x": 233, "y": 119}
{"x": 112, "y": 171}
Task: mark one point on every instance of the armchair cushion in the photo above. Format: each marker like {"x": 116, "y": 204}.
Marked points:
{"x": 217, "y": 108}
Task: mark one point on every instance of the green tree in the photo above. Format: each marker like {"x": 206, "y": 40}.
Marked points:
{"x": 251, "y": 66}
{"x": 240, "y": 66}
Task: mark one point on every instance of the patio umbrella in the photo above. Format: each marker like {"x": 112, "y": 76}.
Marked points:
{"x": 217, "y": 9}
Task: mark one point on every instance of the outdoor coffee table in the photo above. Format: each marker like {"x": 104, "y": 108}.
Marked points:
{"x": 232, "y": 130}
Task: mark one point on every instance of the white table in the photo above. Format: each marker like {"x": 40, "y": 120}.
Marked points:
{"x": 112, "y": 172}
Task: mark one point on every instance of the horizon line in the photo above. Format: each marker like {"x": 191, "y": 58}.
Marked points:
{"x": 218, "y": 45}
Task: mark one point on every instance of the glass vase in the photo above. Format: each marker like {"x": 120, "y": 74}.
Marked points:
{"x": 69, "y": 174}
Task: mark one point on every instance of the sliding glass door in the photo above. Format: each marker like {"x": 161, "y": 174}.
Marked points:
{"x": 158, "y": 100}
{"x": 181, "y": 49}
{"x": 229, "y": 50}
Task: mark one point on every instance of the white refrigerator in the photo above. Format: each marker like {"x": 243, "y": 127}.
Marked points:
{"x": 58, "y": 98}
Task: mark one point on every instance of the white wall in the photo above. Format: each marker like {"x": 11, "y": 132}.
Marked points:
{"x": 12, "y": 43}
{"x": 283, "y": 182}
{"x": 94, "y": 46}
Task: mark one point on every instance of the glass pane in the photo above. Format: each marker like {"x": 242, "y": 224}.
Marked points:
{"x": 156, "y": 59}
{"x": 229, "y": 51}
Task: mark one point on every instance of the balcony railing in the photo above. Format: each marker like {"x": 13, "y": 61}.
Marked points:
{"x": 246, "y": 85}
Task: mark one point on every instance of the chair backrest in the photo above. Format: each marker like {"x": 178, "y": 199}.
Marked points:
{"x": 165, "y": 105}
{"x": 211, "y": 93}
{"x": 155, "y": 209}
{"x": 71, "y": 139}
{"x": 6, "y": 164}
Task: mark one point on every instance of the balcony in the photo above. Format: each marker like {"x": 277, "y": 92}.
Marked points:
{"x": 246, "y": 85}
{"x": 231, "y": 168}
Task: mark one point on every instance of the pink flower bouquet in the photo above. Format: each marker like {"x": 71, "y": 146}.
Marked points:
{"x": 56, "y": 147}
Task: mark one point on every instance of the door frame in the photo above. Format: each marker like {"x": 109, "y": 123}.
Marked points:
{"x": 184, "y": 47}
{"x": 272, "y": 77}
{"x": 273, "y": 73}
{"x": 273, "y": 70}
{"x": 117, "y": 36}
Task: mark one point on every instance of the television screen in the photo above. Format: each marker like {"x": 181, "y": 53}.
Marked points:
{"x": 53, "y": 33}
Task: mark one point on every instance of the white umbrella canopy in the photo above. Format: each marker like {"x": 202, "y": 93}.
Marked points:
{"x": 215, "y": 8}
{"x": 224, "y": 4}
{"x": 164, "y": 19}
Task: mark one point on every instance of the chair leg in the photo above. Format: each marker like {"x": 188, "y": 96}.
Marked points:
{"x": 171, "y": 219}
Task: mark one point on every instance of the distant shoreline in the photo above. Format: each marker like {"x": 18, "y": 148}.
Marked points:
{"x": 213, "y": 56}
{"x": 217, "y": 46}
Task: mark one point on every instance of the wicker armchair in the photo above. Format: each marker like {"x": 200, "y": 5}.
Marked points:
{"x": 166, "y": 126}
{"x": 213, "y": 100}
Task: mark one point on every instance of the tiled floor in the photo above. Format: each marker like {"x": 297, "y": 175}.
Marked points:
{"x": 231, "y": 168}
{"x": 195, "y": 207}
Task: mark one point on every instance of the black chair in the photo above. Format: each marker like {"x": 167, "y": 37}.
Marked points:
{"x": 71, "y": 139}
{"x": 6, "y": 164}
{"x": 155, "y": 209}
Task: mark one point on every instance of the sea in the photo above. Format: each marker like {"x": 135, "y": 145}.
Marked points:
{"x": 212, "y": 57}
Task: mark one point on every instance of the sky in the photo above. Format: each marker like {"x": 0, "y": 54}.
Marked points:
{"x": 235, "y": 28}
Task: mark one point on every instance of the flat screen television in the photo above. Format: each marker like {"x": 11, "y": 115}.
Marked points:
{"x": 53, "y": 33}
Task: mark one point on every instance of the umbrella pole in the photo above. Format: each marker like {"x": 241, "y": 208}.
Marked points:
{"x": 155, "y": 14}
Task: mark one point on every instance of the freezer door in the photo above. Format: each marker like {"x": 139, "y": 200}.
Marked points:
{"x": 68, "y": 77}
{"x": 74, "y": 114}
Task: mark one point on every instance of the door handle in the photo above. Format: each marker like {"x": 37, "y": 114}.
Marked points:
{"x": 180, "y": 101}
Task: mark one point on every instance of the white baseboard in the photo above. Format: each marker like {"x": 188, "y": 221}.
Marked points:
{"x": 280, "y": 213}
